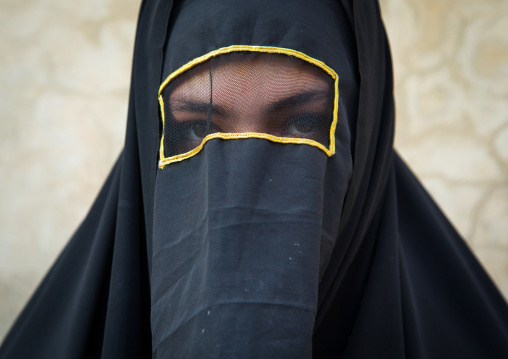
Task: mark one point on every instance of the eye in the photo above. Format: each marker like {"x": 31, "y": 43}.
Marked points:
{"x": 305, "y": 124}
{"x": 197, "y": 130}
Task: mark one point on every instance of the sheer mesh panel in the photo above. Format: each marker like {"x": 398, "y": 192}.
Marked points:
{"x": 247, "y": 94}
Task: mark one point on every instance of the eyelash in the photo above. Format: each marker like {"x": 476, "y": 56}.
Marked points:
{"x": 299, "y": 124}
{"x": 196, "y": 130}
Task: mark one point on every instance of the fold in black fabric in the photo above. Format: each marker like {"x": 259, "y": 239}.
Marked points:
{"x": 79, "y": 309}
{"x": 258, "y": 249}
{"x": 235, "y": 264}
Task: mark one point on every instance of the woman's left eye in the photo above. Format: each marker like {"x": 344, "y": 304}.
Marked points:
{"x": 305, "y": 124}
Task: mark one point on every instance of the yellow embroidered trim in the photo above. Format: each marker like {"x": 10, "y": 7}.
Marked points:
{"x": 227, "y": 136}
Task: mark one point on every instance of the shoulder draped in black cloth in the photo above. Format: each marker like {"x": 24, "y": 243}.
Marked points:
{"x": 253, "y": 248}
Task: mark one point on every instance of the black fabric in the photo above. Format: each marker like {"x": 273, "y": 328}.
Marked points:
{"x": 240, "y": 230}
{"x": 219, "y": 255}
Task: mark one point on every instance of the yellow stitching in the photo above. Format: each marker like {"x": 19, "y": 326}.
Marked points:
{"x": 264, "y": 49}
{"x": 335, "y": 116}
{"x": 161, "y": 151}
{"x": 229, "y": 136}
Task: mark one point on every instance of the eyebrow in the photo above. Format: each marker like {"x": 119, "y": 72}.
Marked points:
{"x": 284, "y": 104}
{"x": 296, "y": 100}
{"x": 197, "y": 107}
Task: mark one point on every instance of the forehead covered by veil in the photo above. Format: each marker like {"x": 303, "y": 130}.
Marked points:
{"x": 258, "y": 208}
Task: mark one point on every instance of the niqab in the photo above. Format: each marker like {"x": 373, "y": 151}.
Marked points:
{"x": 256, "y": 248}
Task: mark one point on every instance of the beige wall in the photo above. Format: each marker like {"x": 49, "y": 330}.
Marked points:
{"x": 451, "y": 89}
{"x": 64, "y": 77}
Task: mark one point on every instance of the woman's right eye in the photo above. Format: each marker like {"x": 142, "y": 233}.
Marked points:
{"x": 197, "y": 130}
{"x": 183, "y": 136}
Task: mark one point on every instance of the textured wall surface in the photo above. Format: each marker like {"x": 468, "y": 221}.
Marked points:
{"x": 451, "y": 88}
{"x": 64, "y": 77}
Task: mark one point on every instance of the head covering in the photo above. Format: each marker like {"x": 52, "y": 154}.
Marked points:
{"x": 253, "y": 247}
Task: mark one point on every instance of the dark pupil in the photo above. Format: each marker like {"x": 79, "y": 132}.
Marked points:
{"x": 304, "y": 125}
{"x": 201, "y": 129}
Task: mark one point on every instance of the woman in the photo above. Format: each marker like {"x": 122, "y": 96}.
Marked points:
{"x": 258, "y": 208}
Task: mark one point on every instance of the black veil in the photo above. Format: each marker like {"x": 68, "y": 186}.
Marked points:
{"x": 399, "y": 281}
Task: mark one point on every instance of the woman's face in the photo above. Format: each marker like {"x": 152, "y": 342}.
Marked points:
{"x": 269, "y": 94}
{"x": 245, "y": 226}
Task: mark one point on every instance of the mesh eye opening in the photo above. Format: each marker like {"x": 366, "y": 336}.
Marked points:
{"x": 236, "y": 92}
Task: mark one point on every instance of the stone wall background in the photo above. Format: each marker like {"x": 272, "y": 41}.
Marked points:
{"x": 64, "y": 78}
